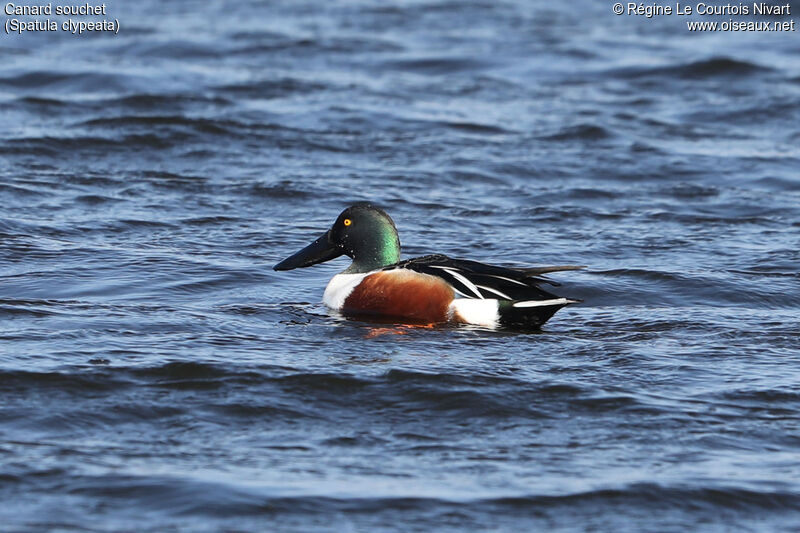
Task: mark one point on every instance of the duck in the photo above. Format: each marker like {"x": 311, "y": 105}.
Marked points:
{"x": 431, "y": 289}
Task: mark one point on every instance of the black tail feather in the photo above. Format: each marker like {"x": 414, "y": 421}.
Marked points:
{"x": 527, "y": 317}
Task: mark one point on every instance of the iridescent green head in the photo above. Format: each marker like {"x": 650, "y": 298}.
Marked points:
{"x": 363, "y": 232}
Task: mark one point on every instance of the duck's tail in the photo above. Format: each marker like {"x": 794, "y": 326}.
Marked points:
{"x": 530, "y": 314}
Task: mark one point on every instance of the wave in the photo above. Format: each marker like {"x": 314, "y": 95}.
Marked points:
{"x": 634, "y": 286}
{"x": 204, "y": 126}
{"x": 715, "y": 67}
{"x": 584, "y": 132}
{"x": 78, "y": 81}
{"x": 437, "y": 65}
{"x": 67, "y": 382}
{"x": 187, "y": 496}
{"x": 284, "y": 392}
{"x": 37, "y": 79}
{"x": 473, "y": 127}
{"x": 153, "y": 100}
{"x": 272, "y": 88}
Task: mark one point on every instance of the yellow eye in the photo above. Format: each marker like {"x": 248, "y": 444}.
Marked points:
{"x": 347, "y": 222}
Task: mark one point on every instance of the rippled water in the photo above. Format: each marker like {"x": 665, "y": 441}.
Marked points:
{"x": 157, "y": 375}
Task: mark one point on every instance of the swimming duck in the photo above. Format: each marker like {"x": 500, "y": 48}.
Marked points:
{"x": 428, "y": 289}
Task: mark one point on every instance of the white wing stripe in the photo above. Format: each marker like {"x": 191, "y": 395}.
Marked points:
{"x": 467, "y": 283}
{"x": 508, "y": 279}
{"x": 500, "y": 294}
{"x": 461, "y": 293}
{"x": 538, "y": 303}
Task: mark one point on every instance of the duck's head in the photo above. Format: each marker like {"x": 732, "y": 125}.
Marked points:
{"x": 362, "y": 232}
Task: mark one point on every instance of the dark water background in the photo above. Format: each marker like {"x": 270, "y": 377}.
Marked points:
{"x": 157, "y": 375}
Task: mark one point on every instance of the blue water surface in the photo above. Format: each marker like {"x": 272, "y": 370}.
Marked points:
{"x": 157, "y": 375}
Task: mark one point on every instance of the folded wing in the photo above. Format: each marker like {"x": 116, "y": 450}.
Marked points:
{"x": 472, "y": 279}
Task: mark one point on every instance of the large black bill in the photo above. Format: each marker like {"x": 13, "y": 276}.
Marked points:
{"x": 318, "y": 251}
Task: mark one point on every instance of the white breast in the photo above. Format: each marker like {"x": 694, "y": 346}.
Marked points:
{"x": 339, "y": 288}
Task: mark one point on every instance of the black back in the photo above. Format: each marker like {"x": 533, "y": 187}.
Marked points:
{"x": 478, "y": 280}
